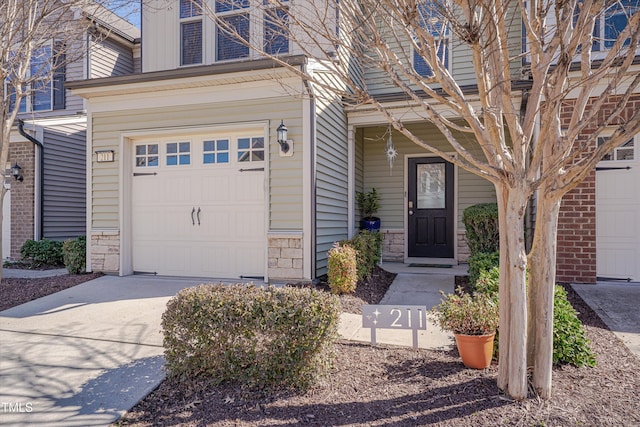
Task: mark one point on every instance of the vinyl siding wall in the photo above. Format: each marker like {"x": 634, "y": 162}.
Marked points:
{"x": 331, "y": 177}
{"x": 285, "y": 173}
{"x": 391, "y": 184}
{"x": 460, "y": 61}
{"x": 64, "y": 182}
{"x": 109, "y": 58}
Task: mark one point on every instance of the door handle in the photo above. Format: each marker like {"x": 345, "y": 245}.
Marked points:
{"x": 198, "y": 215}
{"x": 193, "y": 221}
{"x": 410, "y": 212}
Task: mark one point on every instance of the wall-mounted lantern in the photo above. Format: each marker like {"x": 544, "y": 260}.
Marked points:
{"x": 16, "y": 171}
{"x": 286, "y": 145}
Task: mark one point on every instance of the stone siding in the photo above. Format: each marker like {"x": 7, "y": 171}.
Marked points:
{"x": 285, "y": 256}
{"x": 393, "y": 245}
{"x": 105, "y": 251}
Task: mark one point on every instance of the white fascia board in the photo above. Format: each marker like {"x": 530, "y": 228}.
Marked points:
{"x": 368, "y": 116}
{"x": 193, "y": 96}
{"x": 57, "y": 121}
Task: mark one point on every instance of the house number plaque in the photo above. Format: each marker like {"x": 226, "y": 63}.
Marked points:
{"x": 412, "y": 317}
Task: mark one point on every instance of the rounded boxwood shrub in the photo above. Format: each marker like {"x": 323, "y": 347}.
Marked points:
{"x": 264, "y": 338}
{"x": 74, "y": 253}
{"x": 482, "y": 261}
{"x": 342, "y": 272}
{"x": 368, "y": 246}
{"x": 481, "y": 227}
{"x": 42, "y": 252}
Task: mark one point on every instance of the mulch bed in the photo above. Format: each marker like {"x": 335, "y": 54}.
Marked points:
{"x": 18, "y": 291}
{"x": 392, "y": 386}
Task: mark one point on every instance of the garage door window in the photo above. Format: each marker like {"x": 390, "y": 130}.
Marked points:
{"x": 215, "y": 151}
{"x": 251, "y": 149}
{"x": 625, "y": 152}
{"x": 146, "y": 155}
{"x": 178, "y": 153}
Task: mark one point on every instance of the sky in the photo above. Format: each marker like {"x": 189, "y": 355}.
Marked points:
{"x": 131, "y": 12}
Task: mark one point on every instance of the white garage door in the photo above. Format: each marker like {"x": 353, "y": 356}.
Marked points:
{"x": 618, "y": 213}
{"x": 198, "y": 206}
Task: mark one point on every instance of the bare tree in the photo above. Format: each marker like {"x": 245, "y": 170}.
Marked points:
{"x": 531, "y": 61}
{"x": 39, "y": 38}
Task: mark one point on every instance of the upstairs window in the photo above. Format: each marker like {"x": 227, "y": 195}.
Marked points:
{"x": 276, "y": 31}
{"x": 233, "y": 30}
{"x": 46, "y": 90}
{"x": 190, "y": 32}
{"x": 612, "y": 22}
{"x": 432, "y": 20}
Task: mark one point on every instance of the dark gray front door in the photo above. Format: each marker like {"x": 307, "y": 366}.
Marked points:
{"x": 430, "y": 210}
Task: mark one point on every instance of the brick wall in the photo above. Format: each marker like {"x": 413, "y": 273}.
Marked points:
{"x": 22, "y": 196}
{"x": 576, "y": 258}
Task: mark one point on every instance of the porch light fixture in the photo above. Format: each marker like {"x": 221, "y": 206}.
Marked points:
{"x": 282, "y": 138}
{"x": 16, "y": 172}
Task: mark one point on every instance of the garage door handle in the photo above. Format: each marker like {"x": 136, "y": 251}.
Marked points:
{"x": 193, "y": 221}
{"x": 198, "y": 216}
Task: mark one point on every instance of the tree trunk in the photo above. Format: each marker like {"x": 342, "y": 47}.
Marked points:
{"x": 542, "y": 276}
{"x": 512, "y": 364}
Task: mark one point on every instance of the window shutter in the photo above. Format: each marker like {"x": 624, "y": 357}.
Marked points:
{"x": 59, "y": 72}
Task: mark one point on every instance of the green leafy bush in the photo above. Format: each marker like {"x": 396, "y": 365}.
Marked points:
{"x": 266, "y": 338}
{"x": 42, "y": 252}
{"x": 488, "y": 281}
{"x": 482, "y": 261}
{"x": 342, "y": 272}
{"x": 368, "y": 246}
{"x": 481, "y": 227}
{"x": 570, "y": 344}
{"x": 467, "y": 314}
{"x": 74, "y": 254}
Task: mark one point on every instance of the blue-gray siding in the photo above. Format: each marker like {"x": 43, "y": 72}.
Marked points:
{"x": 64, "y": 204}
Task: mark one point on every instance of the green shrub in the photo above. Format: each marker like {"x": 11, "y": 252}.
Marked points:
{"x": 481, "y": 227}
{"x": 570, "y": 344}
{"x": 342, "y": 272}
{"x": 488, "y": 281}
{"x": 266, "y": 338}
{"x": 482, "y": 261}
{"x": 74, "y": 254}
{"x": 42, "y": 252}
{"x": 368, "y": 246}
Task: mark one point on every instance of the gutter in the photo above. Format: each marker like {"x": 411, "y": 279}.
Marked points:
{"x": 40, "y": 187}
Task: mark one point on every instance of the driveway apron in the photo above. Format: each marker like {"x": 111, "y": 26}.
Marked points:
{"x": 84, "y": 356}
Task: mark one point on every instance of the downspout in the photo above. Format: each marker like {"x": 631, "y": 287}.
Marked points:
{"x": 40, "y": 218}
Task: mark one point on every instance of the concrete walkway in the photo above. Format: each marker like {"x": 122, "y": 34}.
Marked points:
{"x": 618, "y": 305}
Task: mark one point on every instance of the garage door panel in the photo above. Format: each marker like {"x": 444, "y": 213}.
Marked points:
{"x": 228, "y": 238}
{"x": 618, "y": 217}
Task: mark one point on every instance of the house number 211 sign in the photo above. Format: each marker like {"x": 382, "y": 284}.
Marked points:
{"x": 413, "y": 317}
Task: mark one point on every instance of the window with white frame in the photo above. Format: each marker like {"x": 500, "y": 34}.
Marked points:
{"x": 433, "y": 21}
{"x": 46, "y": 87}
{"x": 625, "y": 152}
{"x": 233, "y": 29}
{"x": 612, "y": 22}
{"x": 190, "y": 32}
{"x": 276, "y": 30}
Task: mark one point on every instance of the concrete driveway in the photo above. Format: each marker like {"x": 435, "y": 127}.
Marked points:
{"x": 83, "y": 356}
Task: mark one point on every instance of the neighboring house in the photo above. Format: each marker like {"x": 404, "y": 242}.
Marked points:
{"x": 50, "y": 203}
{"x": 200, "y": 187}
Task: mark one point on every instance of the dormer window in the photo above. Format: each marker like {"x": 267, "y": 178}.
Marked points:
{"x": 190, "y": 32}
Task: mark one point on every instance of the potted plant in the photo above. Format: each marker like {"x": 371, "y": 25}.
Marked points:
{"x": 369, "y": 203}
{"x": 473, "y": 319}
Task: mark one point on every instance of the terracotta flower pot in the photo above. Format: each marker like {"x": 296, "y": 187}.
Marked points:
{"x": 475, "y": 350}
